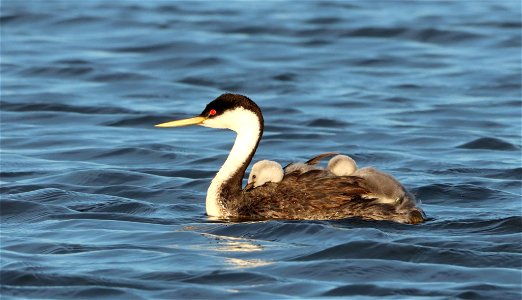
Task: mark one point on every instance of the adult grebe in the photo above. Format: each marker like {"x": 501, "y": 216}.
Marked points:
{"x": 296, "y": 197}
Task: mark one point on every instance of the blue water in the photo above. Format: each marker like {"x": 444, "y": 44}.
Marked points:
{"x": 97, "y": 203}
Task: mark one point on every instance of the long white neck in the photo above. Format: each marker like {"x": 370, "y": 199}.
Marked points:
{"x": 227, "y": 183}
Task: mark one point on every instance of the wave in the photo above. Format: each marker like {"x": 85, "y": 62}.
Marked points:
{"x": 327, "y": 123}
{"x": 20, "y": 211}
{"x": 507, "y": 225}
{"x": 120, "y": 76}
{"x": 489, "y": 143}
{"x": 55, "y": 71}
{"x": 157, "y": 47}
{"x": 60, "y": 107}
{"x": 424, "y": 35}
{"x": 413, "y": 253}
{"x": 465, "y": 291}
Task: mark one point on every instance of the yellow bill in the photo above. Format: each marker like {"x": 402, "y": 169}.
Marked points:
{"x": 184, "y": 122}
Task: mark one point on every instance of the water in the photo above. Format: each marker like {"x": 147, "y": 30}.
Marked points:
{"x": 96, "y": 203}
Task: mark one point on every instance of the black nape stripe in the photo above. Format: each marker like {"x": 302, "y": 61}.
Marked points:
{"x": 231, "y": 101}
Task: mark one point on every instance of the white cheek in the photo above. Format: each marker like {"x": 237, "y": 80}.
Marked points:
{"x": 238, "y": 120}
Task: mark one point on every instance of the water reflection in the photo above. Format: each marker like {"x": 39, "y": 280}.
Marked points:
{"x": 238, "y": 245}
{"x": 233, "y": 244}
{"x": 246, "y": 263}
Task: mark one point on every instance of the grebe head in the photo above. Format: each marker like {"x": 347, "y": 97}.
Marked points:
{"x": 242, "y": 115}
{"x": 264, "y": 171}
{"x": 342, "y": 165}
{"x": 228, "y": 111}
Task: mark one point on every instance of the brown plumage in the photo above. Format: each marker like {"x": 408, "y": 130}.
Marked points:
{"x": 317, "y": 195}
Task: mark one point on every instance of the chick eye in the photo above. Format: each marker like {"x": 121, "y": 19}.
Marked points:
{"x": 254, "y": 176}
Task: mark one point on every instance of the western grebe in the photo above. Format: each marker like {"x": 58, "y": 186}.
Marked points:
{"x": 264, "y": 171}
{"x": 342, "y": 165}
{"x": 295, "y": 197}
{"x": 384, "y": 186}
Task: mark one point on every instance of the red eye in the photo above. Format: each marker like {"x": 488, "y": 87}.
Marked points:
{"x": 212, "y": 112}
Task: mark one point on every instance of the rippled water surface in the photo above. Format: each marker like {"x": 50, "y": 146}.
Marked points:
{"x": 97, "y": 203}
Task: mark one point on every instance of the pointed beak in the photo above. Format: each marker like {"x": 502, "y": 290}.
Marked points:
{"x": 184, "y": 122}
{"x": 249, "y": 186}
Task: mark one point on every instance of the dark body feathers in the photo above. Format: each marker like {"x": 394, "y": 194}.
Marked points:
{"x": 316, "y": 195}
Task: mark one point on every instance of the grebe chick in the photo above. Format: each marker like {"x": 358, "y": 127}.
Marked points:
{"x": 384, "y": 186}
{"x": 342, "y": 165}
{"x": 295, "y": 197}
{"x": 264, "y": 171}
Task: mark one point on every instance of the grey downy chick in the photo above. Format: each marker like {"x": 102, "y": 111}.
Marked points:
{"x": 264, "y": 171}
{"x": 383, "y": 185}
{"x": 342, "y": 165}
